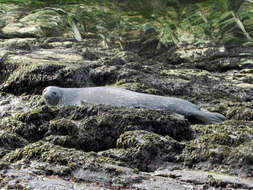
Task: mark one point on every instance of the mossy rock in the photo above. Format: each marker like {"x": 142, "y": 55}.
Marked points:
{"x": 11, "y": 141}
{"x": 62, "y": 127}
{"x": 241, "y": 158}
{"x": 219, "y": 145}
{"x": 32, "y": 78}
{"x": 94, "y": 127}
{"x": 46, "y": 152}
{"x": 145, "y": 150}
{"x": 37, "y": 116}
{"x": 241, "y": 112}
{"x": 243, "y": 154}
{"x": 30, "y": 132}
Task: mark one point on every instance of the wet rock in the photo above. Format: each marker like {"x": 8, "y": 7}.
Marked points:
{"x": 11, "y": 141}
{"x": 218, "y": 144}
{"x": 241, "y": 157}
{"x": 94, "y": 128}
{"x": 220, "y": 58}
{"x": 104, "y": 75}
{"x": 241, "y": 111}
{"x": 11, "y": 105}
{"x": 89, "y": 55}
{"x": 25, "y": 178}
{"x": 146, "y": 150}
{"x": 23, "y": 44}
{"x": 56, "y": 162}
{"x": 40, "y": 75}
{"x": 208, "y": 178}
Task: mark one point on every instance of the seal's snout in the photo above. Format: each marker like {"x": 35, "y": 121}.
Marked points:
{"x": 46, "y": 96}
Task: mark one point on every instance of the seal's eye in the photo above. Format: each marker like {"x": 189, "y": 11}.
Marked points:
{"x": 54, "y": 93}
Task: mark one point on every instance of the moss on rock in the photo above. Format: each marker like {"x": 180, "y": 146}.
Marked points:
{"x": 218, "y": 144}
{"x": 93, "y": 127}
{"x": 145, "y": 150}
{"x": 32, "y": 78}
{"x": 11, "y": 141}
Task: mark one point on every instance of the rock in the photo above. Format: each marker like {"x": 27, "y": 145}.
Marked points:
{"x": 42, "y": 74}
{"x": 38, "y": 24}
{"x": 94, "y": 128}
{"x": 208, "y": 178}
{"x": 147, "y": 149}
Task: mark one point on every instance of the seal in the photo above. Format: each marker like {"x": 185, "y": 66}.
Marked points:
{"x": 120, "y": 97}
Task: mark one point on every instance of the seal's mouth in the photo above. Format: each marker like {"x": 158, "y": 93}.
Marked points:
{"x": 46, "y": 97}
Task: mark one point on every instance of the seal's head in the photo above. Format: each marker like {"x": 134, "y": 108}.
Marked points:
{"x": 52, "y": 95}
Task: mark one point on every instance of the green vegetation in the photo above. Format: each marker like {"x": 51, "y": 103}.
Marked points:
{"x": 168, "y": 21}
{"x": 41, "y": 3}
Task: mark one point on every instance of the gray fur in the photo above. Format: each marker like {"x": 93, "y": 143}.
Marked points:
{"x": 121, "y": 97}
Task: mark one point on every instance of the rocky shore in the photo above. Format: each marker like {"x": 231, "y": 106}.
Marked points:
{"x": 105, "y": 147}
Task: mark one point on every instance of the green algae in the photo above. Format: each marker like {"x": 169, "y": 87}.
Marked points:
{"x": 92, "y": 128}
{"x": 191, "y": 73}
{"x": 218, "y": 144}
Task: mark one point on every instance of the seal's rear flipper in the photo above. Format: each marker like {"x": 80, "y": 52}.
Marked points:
{"x": 212, "y": 117}
{"x": 206, "y": 117}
